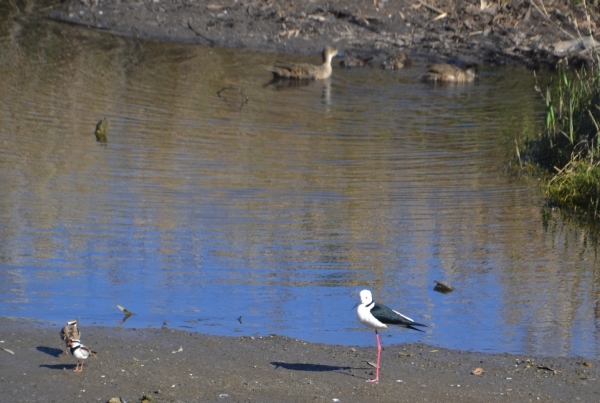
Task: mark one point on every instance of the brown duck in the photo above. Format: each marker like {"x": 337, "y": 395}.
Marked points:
{"x": 70, "y": 332}
{"x": 305, "y": 71}
{"x": 450, "y": 73}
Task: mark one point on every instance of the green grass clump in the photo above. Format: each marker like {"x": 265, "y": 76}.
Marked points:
{"x": 577, "y": 187}
{"x": 569, "y": 147}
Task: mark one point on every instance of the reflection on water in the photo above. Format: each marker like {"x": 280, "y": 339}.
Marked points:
{"x": 201, "y": 209}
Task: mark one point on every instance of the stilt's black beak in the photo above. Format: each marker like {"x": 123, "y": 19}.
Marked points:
{"x": 355, "y": 305}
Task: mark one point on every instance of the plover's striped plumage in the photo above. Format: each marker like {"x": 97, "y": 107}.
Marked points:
{"x": 80, "y": 352}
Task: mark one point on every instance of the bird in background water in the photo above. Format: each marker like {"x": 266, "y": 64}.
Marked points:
{"x": 396, "y": 62}
{"x": 378, "y": 317}
{"x": 305, "y": 71}
{"x": 449, "y": 73}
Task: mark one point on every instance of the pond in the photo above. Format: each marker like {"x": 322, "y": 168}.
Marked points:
{"x": 225, "y": 204}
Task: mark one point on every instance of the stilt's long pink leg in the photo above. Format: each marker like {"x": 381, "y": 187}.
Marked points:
{"x": 378, "y": 358}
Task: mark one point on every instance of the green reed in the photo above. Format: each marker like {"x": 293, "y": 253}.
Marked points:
{"x": 569, "y": 147}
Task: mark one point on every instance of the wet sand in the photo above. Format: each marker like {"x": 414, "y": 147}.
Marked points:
{"x": 131, "y": 363}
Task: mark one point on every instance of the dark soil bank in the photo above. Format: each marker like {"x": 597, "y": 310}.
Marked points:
{"x": 177, "y": 366}
{"x": 508, "y": 31}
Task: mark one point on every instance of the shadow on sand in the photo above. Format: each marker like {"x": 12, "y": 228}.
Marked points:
{"x": 54, "y": 352}
{"x": 58, "y": 366}
{"x": 308, "y": 367}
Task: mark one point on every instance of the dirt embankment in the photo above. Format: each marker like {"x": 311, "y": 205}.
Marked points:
{"x": 494, "y": 32}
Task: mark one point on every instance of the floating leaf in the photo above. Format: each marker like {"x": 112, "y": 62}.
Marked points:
{"x": 101, "y": 129}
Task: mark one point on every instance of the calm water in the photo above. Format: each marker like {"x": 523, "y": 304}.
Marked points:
{"x": 201, "y": 209}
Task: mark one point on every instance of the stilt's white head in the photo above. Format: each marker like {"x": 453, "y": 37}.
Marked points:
{"x": 366, "y": 297}
{"x": 74, "y": 343}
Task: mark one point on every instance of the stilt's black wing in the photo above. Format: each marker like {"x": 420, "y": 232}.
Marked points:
{"x": 390, "y": 317}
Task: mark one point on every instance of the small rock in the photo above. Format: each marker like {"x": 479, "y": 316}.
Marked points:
{"x": 587, "y": 363}
{"x": 442, "y": 287}
{"x": 114, "y": 400}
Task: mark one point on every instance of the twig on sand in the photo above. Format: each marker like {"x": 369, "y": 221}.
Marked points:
{"x": 432, "y": 8}
{"x": 545, "y": 15}
{"x": 548, "y": 369}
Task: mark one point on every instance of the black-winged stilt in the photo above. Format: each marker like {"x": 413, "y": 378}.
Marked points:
{"x": 377, "y": 317}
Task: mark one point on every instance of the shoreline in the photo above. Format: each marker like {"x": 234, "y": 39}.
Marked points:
{"x": 132, "y": 363}
{"x": 437, "y": 30}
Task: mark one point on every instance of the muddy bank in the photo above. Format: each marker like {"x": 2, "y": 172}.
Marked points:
{"x": 131, "y": 363}
{"x": 505, "y": 32}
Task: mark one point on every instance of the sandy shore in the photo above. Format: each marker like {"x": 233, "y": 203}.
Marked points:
{"x": 132, "y": 363}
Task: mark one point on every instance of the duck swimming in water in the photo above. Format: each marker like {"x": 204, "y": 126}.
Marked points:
{"x": 395, "y": 62}
{"x": 449, "y": 73}
{"x": 350, "y": 62}
{"x": 305, "y": 71}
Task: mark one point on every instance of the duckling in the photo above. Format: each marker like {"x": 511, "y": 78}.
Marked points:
{"x": 349, "y": 61}
{"x": 395, "y": 62}
{"x": 305, "y": 71}
{"x": 450, "y": 73}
